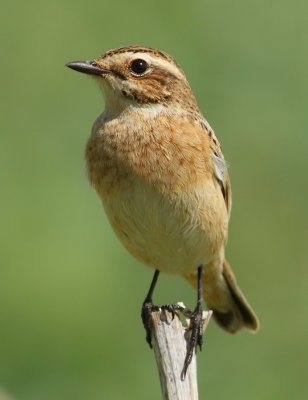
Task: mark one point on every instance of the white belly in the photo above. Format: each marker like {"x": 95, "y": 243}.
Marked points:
{"x": 174, "y": 234}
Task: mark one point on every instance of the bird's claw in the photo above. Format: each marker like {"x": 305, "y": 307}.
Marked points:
{"x": 194, "y": 330}
{"x": 196, "y": 337}
{"x": 147, "y": 308}
{"x": 172, "y": 308}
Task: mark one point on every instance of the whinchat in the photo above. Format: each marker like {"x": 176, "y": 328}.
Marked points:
{"x": 159, "y": 170}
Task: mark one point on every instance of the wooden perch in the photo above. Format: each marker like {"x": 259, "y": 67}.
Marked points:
{"x": 169, "y": 338}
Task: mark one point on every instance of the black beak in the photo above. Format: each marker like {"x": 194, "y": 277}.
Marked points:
{"x": 87, "y": 67}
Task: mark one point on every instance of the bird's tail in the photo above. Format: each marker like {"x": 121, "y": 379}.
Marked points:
{"x": 223, "y": 295}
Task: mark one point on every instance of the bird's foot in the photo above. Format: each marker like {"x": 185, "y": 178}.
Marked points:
{"x": 195, "y": 331}
{"x": 148, "y": 307}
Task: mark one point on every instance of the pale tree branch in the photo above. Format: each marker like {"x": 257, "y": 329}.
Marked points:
{"x": 169, "y": 339}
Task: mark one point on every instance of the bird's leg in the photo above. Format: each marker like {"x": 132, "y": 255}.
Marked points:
{"x": 148, "y": 307}
{"x": 195, "y": 326}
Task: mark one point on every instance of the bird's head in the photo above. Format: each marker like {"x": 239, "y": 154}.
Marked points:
{"x": 138, "y": 75}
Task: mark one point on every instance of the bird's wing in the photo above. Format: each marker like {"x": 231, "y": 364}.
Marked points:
{"x": 222, "y": 176}
{"x": 220, "y": 166}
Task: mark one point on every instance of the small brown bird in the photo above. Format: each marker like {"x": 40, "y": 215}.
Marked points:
{"x": 160, "y": 172}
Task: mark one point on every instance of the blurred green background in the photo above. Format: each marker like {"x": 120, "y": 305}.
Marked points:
{"x": 70, "y": 295}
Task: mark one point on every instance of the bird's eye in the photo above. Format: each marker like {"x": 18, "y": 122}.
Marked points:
{"x": 139, "y": 66}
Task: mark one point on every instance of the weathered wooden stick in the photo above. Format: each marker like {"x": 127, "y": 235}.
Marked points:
{"x": 169, "y": 339}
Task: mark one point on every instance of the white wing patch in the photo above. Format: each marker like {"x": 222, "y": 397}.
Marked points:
{"x": 220, "y": 168}
{"x": 221, "y": 174}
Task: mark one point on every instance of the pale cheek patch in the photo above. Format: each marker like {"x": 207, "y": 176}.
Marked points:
{"x": 129, "y": 85}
